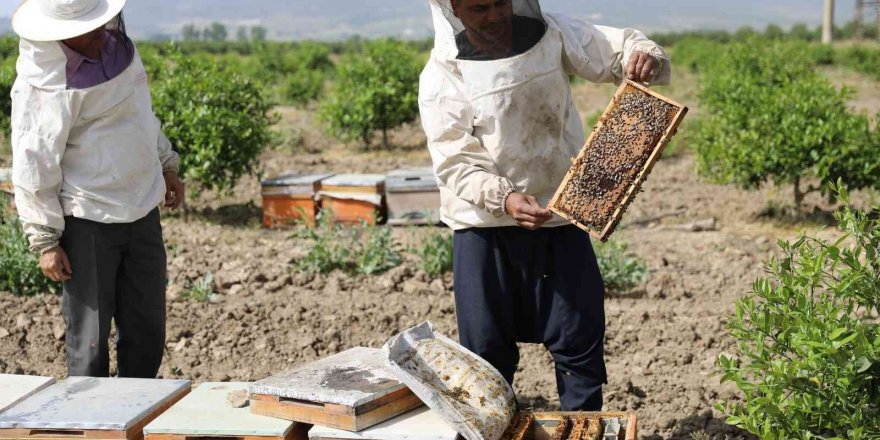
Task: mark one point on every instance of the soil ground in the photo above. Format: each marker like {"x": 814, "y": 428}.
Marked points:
{"x": 662, "y": 338}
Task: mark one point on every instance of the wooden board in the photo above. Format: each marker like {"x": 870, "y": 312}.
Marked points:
{"x": 279, "y": 211}
{"x": 617, "y": 159}
{"x": 352, "y": 211}
{"x": 15, "y": 388}
{"x": 419, "y": 424}
{"x": 351, "y": 390}
{"x": 91, "y": 408}
{"x": 206, "y": 412}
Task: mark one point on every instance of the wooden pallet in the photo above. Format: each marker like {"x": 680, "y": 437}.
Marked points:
{"x": 604, "y": 231}
{"x": 334, "y": 415}
{"x": 581, "y": 425}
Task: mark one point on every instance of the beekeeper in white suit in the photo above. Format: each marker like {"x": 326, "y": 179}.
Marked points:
{"x": 90, "y": 166}
{"x": 502, "y": 129}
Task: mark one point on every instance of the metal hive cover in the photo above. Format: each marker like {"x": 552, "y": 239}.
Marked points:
{"x": 15, "y": 388}
{"x": 369, "y": 180}
{"x": 87, "y": 403}
{"x": 350, "y": 378}
{"x": 207, "y": 412}
{"x": 411, "y": 179}
{"x": 296, "y": 179}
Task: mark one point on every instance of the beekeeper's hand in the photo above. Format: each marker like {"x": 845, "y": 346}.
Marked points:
{"x": 526, "y": 211}
{"x": 641, "y": 67}
{"x": 55, "y": 265}
{"x": 174, "y": 192}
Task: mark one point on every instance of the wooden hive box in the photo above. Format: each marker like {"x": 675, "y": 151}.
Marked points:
{"x": 15, "y": 388}
{"x": 573, "y": 426}
{"x": 413, "y": 197}
{"x": 91, "y": 408}
{"x": 617, "y": 158}
{"x": 418, "y": 424}
{"x": 352, "y": 390}
{"x": 290, "y": 199}
{"x": 206, "y": 414}
{"x": 354, "y": 198}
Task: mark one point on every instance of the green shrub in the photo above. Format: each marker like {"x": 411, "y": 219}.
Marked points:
{"x": 20, "y": 272}
{"x": 435, "y": 254}
{"x": 202, "y": 290}
{"x": 862, "y": 59}
{"x": 809, "y": 339}
{"x": 303, "y": 86}
{"x": 357, "y": 249}
{"x": 7, "y": 78}
{"x": 620, "y": 270}
{"x": 376, "y": 89}
{"x": 773, "y": 118}
{"x": 218, "y": 120}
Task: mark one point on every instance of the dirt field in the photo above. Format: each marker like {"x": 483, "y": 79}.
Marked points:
{"x": 662, "y": 339}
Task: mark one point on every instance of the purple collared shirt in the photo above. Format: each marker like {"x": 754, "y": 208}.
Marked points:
{"x": 84, "y": 72}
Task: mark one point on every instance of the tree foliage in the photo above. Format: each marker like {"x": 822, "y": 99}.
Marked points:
{"x": 773, "y": 118}
{"x": 376, "y": 89}
{"x": 219, "y": 121}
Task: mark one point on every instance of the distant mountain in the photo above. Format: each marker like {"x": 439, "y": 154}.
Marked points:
{"x": 336, "y": 19}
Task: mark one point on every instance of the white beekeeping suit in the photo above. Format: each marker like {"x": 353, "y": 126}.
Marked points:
{"x": 95, "y": 153}
{"x": 508, "y": 123}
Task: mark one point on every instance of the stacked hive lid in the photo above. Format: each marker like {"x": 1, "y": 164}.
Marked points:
{"x": 84, "y": 407}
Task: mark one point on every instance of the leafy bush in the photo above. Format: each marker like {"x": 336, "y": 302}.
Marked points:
{"x": 217, "y": 120}
{"x": 357, "y": 249}
{"x": 20, "y": 272}
{"x": 7, "y": 78}
{"x": 300, "y": 69}
{"x": 620, "y": 270}
{"x": 303, "y": 86}
{"x": 809, "y": 339}
{"x": 771, "y": 117}
{"x": 377, "y": 89}
{"x": 863, "y": 59}
{"x": 435, "y": 254}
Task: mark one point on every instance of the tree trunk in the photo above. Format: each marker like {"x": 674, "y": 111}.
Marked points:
{"x": 828, "y": 23}
{"x": 798, "y": 195}
{"x": 385, "y": 137}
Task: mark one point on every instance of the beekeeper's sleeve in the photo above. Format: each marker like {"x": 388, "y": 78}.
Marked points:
{"x": 601, "y": 53}
{"x": 461, "y": 163}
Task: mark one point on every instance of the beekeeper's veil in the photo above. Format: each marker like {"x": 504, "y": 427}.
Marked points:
{"x": 487, "y": 29}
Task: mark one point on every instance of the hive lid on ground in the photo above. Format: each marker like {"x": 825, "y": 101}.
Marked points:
{"x": 207, "y": 412}
{"x": 411, "y": 179}
{"x": 418, "y": 424}
{"x": 87, "y": 403}
{"x": 355, "y": 180}
{"x": 351, "y": 378}
{"x": 296, "y": 179}
{"x": 15, "y": 388}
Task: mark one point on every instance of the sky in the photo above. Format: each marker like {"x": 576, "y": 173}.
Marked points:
{"x": 334, "y": 19}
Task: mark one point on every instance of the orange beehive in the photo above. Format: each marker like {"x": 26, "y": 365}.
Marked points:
{"x": 354, "y": 198}
{"x": 290, "y": 199}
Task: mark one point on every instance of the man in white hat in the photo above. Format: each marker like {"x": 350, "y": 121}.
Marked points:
{"x": 90, "y": 168}
{"x": 502, "y": 129}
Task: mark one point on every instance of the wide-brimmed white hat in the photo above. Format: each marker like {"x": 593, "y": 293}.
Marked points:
{"x": 54, "y": 20}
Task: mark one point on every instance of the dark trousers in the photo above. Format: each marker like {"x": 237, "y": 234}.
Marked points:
{"x": 515, "y": 285}
{"x": 119, "y": 274}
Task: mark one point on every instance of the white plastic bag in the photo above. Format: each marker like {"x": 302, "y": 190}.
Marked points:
{"x": 464, "y": 389}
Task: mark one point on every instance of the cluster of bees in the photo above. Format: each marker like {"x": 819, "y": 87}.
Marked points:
{"x": 613, "y": 160}
{"x": 569, "y": 428}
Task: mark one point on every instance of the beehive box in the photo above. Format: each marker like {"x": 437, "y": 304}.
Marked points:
{"x": 206, "y": 414}
{"x": 290, "y": 199}
{"x": 91, "y": 408}
{"x": 418, "y": 424}
{"x": 16, "y": 388}
{"x": 573, "y": 426}
{"x": 354, "y": 198}
{"x": 617, "y": 159}
{"x": 413, "y": 197}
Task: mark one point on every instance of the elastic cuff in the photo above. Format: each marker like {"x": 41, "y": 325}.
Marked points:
{"x": 504, "y": 198}
{"x": 43, "y": 248}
